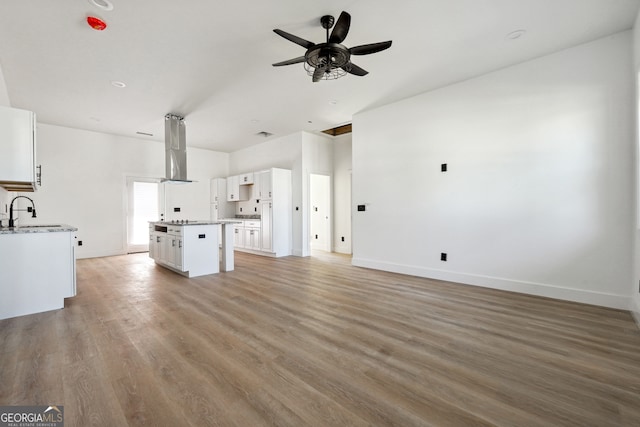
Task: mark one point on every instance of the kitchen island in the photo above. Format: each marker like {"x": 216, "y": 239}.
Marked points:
{"x": 37, "y": 268}
{"x": 192, "y": 248}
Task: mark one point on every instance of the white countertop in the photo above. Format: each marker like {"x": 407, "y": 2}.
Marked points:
{"x": 35, "y": 228}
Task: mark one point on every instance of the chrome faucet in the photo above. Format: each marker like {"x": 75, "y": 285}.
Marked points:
{"x": 31, "y": 208}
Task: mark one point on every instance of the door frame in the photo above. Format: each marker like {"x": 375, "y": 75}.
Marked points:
{"x": 328, "y": 246}
{"x": 128, "y": 204}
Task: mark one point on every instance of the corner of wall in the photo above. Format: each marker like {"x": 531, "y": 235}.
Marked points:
{"x": 4, "y": 94}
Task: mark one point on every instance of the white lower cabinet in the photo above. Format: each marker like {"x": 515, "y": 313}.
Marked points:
{"x": 37, "y": 272}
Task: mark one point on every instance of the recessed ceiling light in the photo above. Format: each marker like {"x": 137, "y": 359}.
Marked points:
{"x": 333, "y": 102}
{"x": 309, "y": 121}
{"x": 119, "y": 84}
{"x": 255, "y": 121}
{"x": 102, "y": 4}
{"x": 516, "y": 34}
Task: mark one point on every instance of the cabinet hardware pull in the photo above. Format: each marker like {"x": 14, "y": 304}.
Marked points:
{"x": 39, "y": 175}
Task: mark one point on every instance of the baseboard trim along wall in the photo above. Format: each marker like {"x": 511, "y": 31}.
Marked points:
{"x": 544, "y": 290}
{"x": 635, "y": 311}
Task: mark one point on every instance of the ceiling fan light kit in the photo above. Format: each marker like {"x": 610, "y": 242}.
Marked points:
{"x": 331, "y": 60}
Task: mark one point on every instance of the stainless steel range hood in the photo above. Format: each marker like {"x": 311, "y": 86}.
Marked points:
{"x": 175, "y": 144}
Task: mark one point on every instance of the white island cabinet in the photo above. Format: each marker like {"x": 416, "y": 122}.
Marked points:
{"x": 37, "y": 269}
{"x": 191, "y": 249}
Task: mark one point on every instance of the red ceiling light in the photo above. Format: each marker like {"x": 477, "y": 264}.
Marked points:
{"x": 96, "y": 23}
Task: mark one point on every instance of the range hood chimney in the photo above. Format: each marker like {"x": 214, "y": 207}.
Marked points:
{"x": 175, "y": 144}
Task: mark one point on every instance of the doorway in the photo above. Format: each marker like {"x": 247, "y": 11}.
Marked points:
{"x": 320, "y": 212}
{"x": 144, "y": 199}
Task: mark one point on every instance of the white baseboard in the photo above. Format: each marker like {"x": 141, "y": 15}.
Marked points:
{"x": 97, "y": 254}
{"x": 635, "y": 310}
{"x": 342, "y": 249}
{"x": 538, "y": 289}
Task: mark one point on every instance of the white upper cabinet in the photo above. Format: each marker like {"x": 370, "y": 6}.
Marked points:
{"x": 245, "y": 178}
{"x": 235, "y": 191}
{"x": 262, "y": 185}
{"x": 18, "y": 150}
{"x": 218, "y": 190}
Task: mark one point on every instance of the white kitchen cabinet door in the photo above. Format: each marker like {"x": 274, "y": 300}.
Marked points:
{"x": 152, "y": 245}
{"x": 18, "y": 141}
{"x": 162, "y": 247}
{"x": 178, "y": 254}
{"x": 238, "y": 237}
{"x": 266, "y": 239}
{"x": 262, "y": 185}
{"x": 245, "y": 178}
{"x": 232, "y": 188}
{"x": 218, "y": 189}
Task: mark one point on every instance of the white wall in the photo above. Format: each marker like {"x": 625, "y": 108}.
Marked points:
{"x": 635, "y": 282}
{"x": 4, "y": 195}
{"x": 317, "y": 158}
{"x": 342, "y": 194}
{"x": 540, "y": 172}
{"x": 84, "y": 182}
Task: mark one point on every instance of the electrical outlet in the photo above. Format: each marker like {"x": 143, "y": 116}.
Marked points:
{"x": 443, "y": 167}
{"x": 79, "y": 242}
{"x": 342, "y": 238}
{"x": 443, "y": 256}
{"x": 176, "y": 209}
{"x": 361, "y": 208}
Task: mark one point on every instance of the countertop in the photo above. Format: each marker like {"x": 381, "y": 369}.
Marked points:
{"x": 203, "y": 222}
{"x": 35, "y": 228}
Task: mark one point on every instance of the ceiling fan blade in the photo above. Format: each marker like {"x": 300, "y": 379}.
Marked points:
{"x": 367, "y": 49}
{"x": 352, "y": 68}
{"x": 290, "y": 61}
{"x": 317, "y": 74}
{"x": 297, "y": 40}
{"x": 341, "y": 29}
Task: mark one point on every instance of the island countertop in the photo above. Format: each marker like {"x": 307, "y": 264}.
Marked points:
{"x": 203, "y": 222}
{"x": 36, "y": 228}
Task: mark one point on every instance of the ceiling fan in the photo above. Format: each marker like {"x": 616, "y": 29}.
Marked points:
{"x": 331, "y": 60}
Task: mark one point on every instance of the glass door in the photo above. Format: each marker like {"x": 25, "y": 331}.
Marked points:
{"x": 144, "y": 201}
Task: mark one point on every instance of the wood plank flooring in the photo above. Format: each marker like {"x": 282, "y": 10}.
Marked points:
{"x": 317, "y": 342}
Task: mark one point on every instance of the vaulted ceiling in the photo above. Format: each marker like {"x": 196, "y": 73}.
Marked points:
{"x": 211, "y": 61}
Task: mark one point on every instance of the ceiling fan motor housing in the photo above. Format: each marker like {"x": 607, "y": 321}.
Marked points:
{"x": 328, "y": 55}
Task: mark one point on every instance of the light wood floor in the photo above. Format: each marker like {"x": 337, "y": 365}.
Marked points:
{"x": 317, "y": 342}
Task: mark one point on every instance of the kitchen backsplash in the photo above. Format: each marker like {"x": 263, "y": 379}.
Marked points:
{"x": 248, "y": 207}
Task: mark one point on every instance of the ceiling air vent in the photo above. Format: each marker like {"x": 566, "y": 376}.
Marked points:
{"x": 264, "y": 134}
